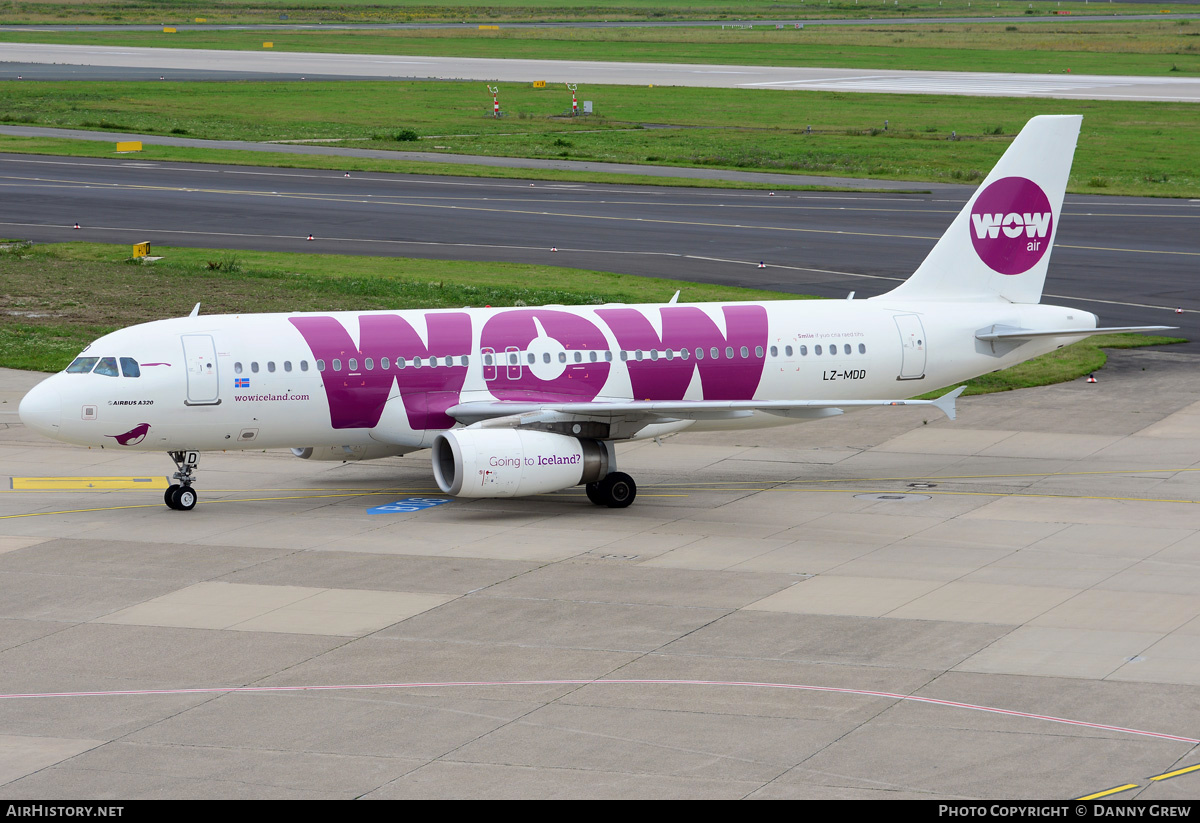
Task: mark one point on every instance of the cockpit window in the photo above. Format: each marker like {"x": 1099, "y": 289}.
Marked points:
{"x": 82, "y": 365}
{"x": 130, "y": 367}
{"x": 107, "y": 366}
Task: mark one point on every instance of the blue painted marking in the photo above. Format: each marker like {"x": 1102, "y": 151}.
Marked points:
{"x": 409, "y": 504}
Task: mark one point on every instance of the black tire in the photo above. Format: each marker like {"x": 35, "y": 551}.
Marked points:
{"x": 169, "y": 496}
{"x": 617, "y": 490}
{"x": 185, "y": 499}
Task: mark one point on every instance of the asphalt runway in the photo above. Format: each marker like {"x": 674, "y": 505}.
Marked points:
{"x": 1060, "y": 86}
{"x": 1129, "y": 260}
{"x": 877, "y": 606}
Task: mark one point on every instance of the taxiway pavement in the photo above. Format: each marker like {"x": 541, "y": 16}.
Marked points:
{"x": 1004, "y": 606}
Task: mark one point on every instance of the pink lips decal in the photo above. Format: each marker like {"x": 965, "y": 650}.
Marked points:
{"x": 133, "y": 436}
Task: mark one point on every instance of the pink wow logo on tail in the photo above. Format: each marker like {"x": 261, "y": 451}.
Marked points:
{"x": 132, "y": 437}
{"x": 1011, "y": 225}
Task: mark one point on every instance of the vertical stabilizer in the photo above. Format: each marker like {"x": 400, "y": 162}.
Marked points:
{"x": 999, "y": 245}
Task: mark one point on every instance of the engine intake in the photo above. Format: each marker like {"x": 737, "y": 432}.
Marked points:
{"x": 512, "y": 462}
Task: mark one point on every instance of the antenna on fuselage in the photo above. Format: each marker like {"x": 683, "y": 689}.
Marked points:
{"x": 195, "y": 311}
{"x": 674, "y": 299}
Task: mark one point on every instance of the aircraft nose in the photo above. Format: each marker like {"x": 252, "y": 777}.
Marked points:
{"x": 41, "y": 409}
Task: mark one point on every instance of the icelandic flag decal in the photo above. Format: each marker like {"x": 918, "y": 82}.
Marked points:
{"x": 241, "y": 382}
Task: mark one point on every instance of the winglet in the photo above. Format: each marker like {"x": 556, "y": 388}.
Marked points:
{"x": 945, "y": 403}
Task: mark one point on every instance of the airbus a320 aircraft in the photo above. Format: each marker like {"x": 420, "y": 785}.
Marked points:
{"x": 521, "y": 401}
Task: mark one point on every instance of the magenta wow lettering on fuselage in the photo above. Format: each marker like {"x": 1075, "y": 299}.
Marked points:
{"x": 356, "y": 399}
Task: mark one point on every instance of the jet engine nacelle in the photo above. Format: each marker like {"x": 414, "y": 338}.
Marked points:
{"x": 349, "y": 454}
{"x": 512, "y": 462}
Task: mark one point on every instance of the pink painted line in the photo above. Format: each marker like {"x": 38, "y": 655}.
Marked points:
{"x": 795, "y": 686}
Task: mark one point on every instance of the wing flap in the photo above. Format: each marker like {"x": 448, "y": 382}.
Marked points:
{"x": 533, "y": 413}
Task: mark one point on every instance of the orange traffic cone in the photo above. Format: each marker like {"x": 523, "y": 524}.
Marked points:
{"x": 1091, "y": 378}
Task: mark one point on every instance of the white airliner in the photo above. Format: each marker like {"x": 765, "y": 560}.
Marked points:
{"x": 521, "y": 401}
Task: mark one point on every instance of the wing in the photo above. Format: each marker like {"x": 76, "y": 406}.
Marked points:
{"x": 638, "y": 413}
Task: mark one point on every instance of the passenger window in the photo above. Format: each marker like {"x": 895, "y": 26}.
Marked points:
{"x": 337, "y": 364}
{"x": 130, "y": 367}
{"x": 758, "y": 351}
{"x": 271, "y": 366}
{"x": 654, "y": 354}
{"x": 670, "y": 354}
{"x": 287, "y": 365}
{"x": 804, "y": 351}
{"x": 816, "y": 349}
{"x": 320, "y": 365}
{"x": 465, "y": 362}
{"x": 487, "y": 360}
{"x": 684, "y": 354}
{"x": 578, "y": 357}
{"x": 370, "y": 364}
{"x": 846, "y": 348}
{"x": 82, "y": 365}
{"x": 774, "y": 351}
{"x": 624, "y": 355}
{"x": 729, "y": 352}
{"x": 353, "y": 364}
{"x": 862, "y": 349}
{"x": 401, "y": 362}
{"x": 608, "y": 356}
{"x": 237, "y": 368}
{"x": 638, "y": 354}
{"x": 303, "y": 365}
{"x": 593, "y": 356}
{"x": 787, "y": 350}
{"x": 715, "y": 353}
{"x": 107, "y": 367}
{"x": 532, "y": 358}
{"x": 448, "y": 362}
{"x": 699, "y": 353}
{"x": 254, "y": 366}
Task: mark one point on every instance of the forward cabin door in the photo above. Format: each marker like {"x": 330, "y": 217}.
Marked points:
{"x": 200, "y": 358}
{"x": 912, "y": 347}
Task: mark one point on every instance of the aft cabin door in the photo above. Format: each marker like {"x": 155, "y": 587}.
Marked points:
{"x": 912, "y": 347}
{"x": 200, "y": 357}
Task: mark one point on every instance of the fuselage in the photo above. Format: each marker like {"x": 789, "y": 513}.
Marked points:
{"x": 384, "y": 380}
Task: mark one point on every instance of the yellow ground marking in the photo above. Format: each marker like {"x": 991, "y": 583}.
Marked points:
{"x": 1175, "y": 773}
{"x": 84, "y": 483}
{"x": 1107, "y": 792}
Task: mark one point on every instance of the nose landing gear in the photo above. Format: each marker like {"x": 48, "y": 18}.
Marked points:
{"x": 181, "y": 496}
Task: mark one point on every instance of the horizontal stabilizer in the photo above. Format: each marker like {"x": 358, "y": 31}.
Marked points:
{"x": 997, "y": 333}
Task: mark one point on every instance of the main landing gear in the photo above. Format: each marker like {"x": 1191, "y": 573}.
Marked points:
{"x": 616, "y": 491}
{"x": 181, "y": 496}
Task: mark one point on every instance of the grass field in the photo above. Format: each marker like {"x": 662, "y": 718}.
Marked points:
{"x": 1125, "y": 148}
{"x": 57, "y": 298}
{"x": 408, "y": 11}
{"x": 1157, "y": 47}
